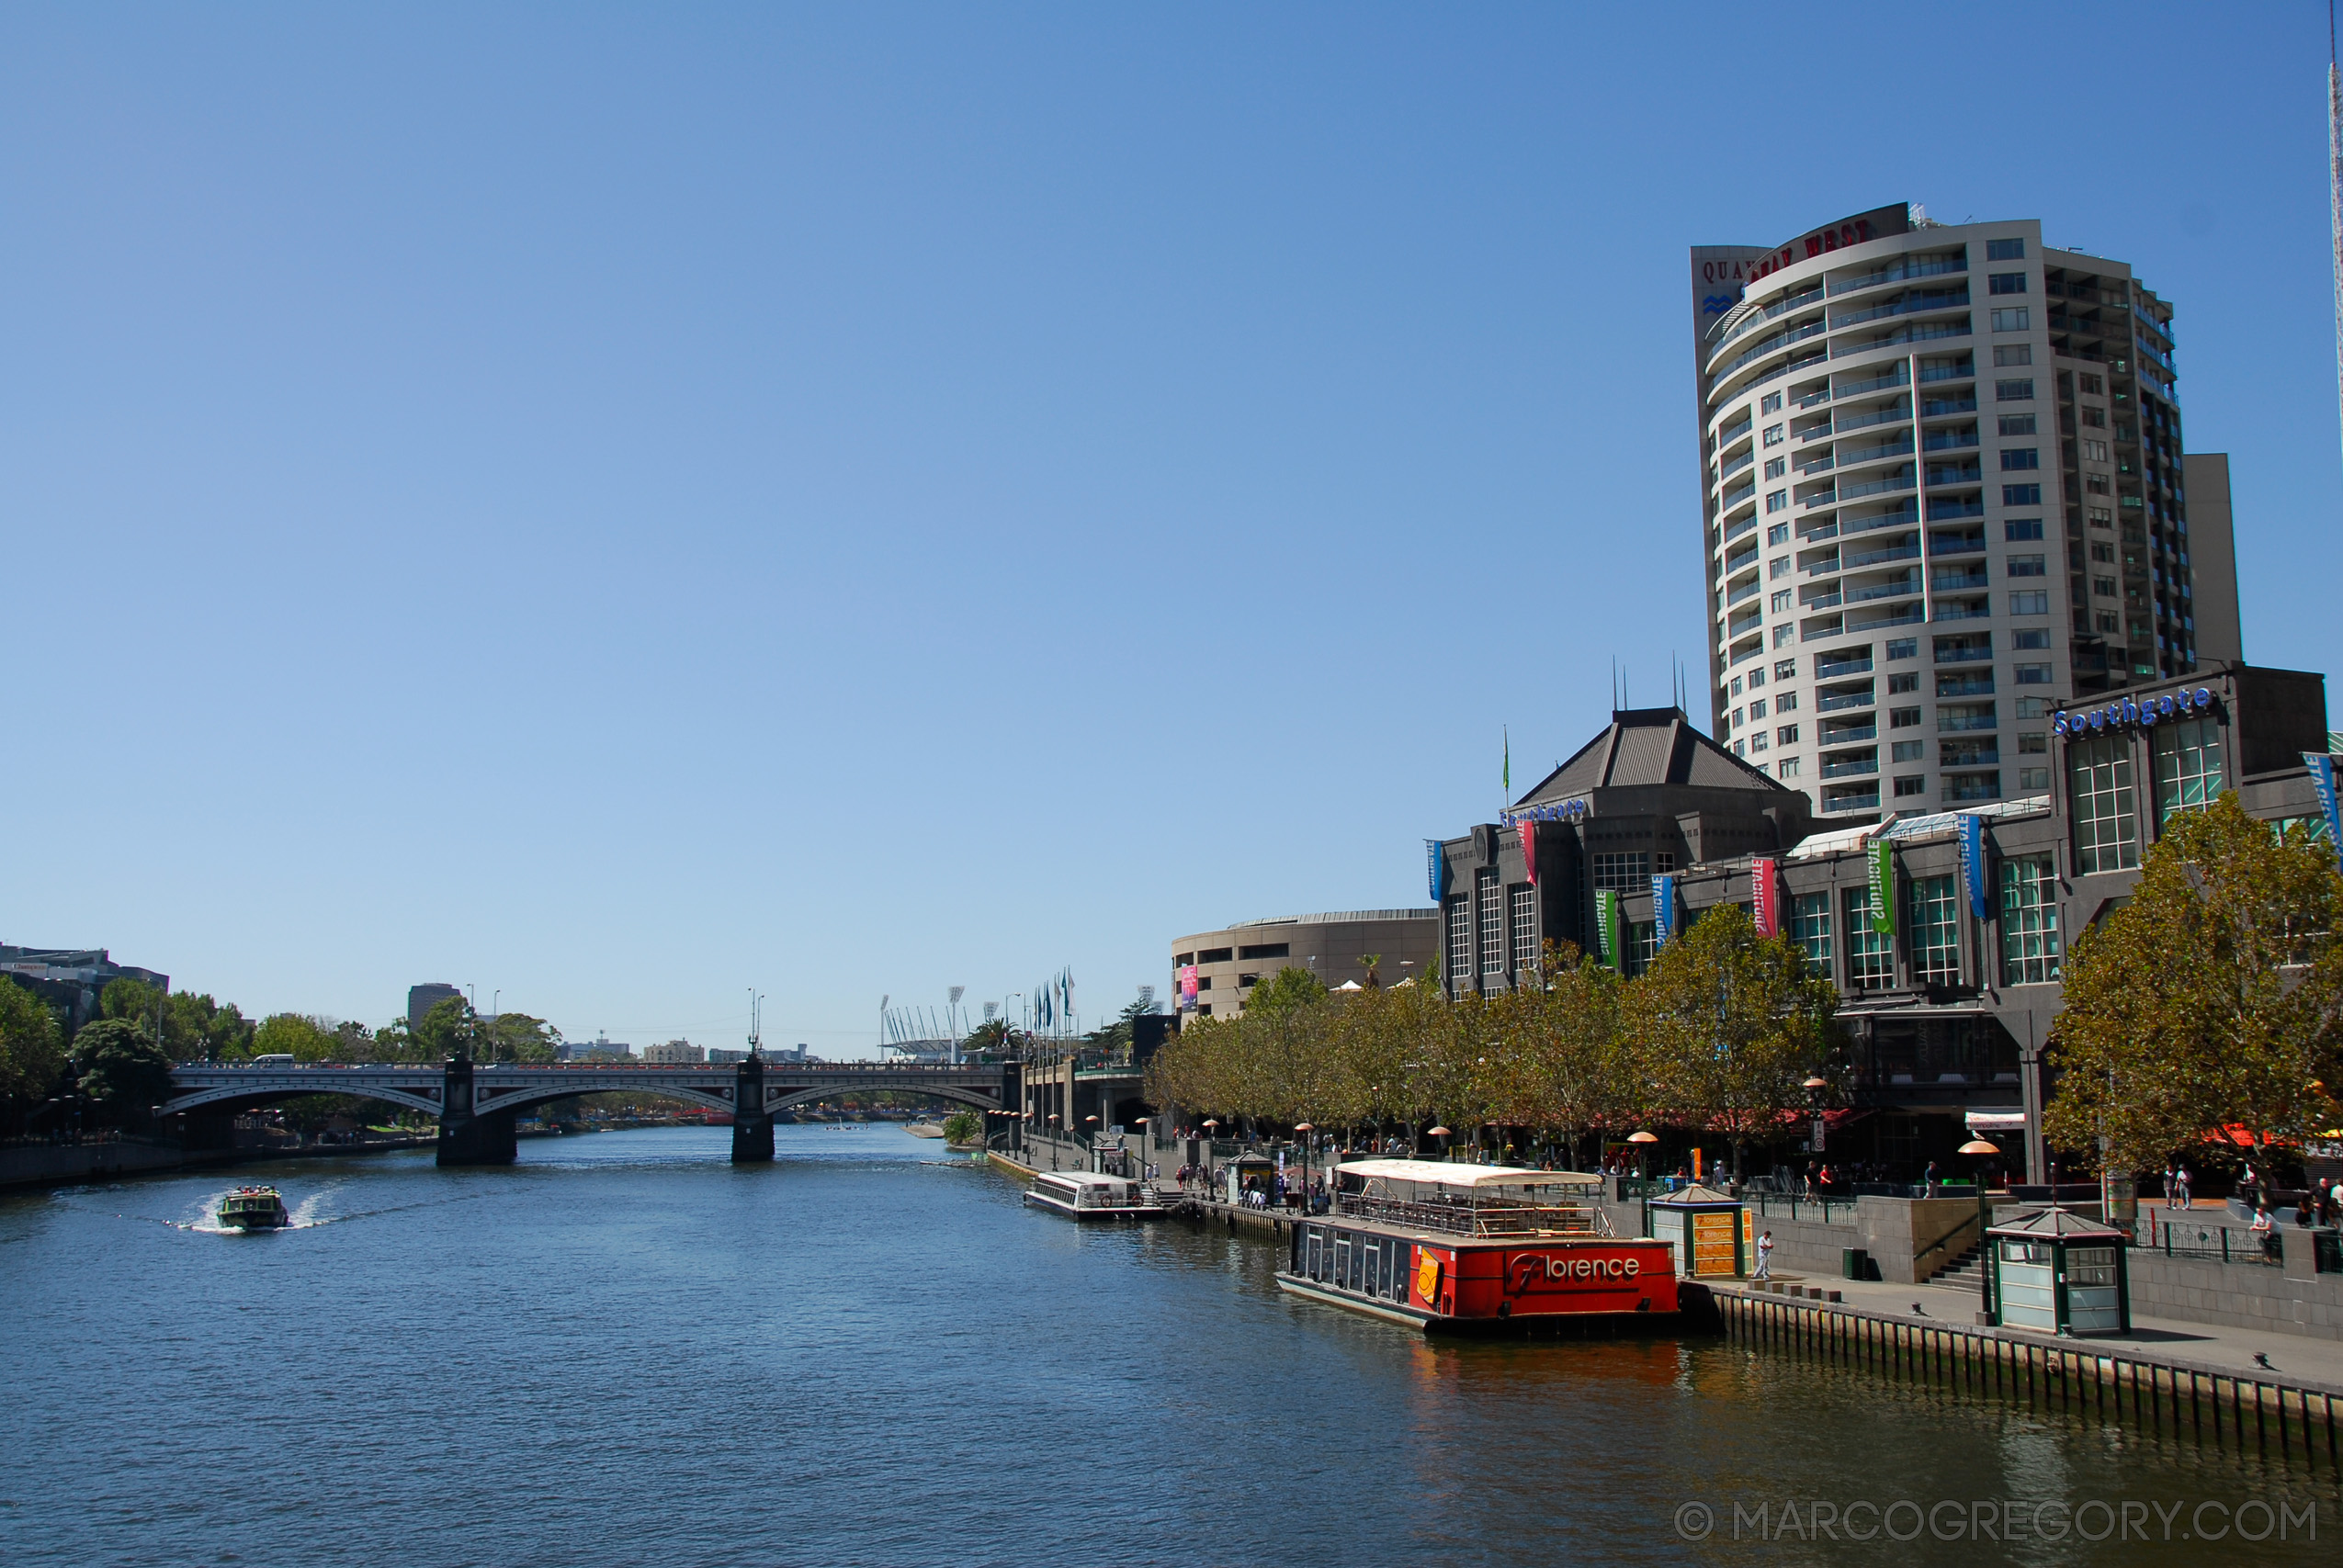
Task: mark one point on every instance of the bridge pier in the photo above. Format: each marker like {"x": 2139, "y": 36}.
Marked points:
{"x": 467, "y": 1137}
{"x": 752, "y": 1126}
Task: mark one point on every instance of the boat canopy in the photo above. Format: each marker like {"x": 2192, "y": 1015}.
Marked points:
{"x": 1444, "y": 1173}
{"x": 1082, "y": 1179}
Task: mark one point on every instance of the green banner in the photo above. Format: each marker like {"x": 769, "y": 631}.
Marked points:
{"x": 1606, "y": 925}
{"x": 1883, "y": 887}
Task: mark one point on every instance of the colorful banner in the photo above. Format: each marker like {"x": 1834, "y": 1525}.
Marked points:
{"x": 1187, "y": 988}
{"x": 2322, "y": 767}
{"x": 1765, "y": 897}
{"x": 1435, "y": 869}
{"x": 1663, "y": 910}
{"x": 1606, "y": 925}
{"x": 1529, "y": 848}
{"x": 1971, "y": 826}
{"x": 1882, "y": 856}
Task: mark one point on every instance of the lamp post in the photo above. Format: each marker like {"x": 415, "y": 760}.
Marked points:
{"x": 1305, "y": 1129}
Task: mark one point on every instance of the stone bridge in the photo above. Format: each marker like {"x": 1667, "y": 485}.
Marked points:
{"x": 477, "y": 1103}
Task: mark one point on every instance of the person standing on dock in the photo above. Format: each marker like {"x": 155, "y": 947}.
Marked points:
{"x": 1765, "y": 1257}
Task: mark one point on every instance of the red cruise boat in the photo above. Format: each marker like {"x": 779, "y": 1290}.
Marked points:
{"x": 1478, "y": 1248}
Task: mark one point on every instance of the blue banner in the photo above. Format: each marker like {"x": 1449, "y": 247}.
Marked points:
{"x": 1663, "y": 910}
{"x": 1973, "y": 861}
{"x": 2322, "y": 767}
{"x": 1435, "y": 869}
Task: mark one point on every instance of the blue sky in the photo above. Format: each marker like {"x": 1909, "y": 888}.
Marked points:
{"x": 619, "y": 506}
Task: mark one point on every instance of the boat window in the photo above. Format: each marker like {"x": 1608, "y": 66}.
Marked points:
{"x": 1342, "y": 1258}
{"x": 1359, "y": 1264}
{"x": 1310, "y": 1270}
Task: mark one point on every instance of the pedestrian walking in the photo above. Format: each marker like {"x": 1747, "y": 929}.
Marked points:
{"x": 1765, "y": 1257}
{"x": 1929, "y": 1179}
{"x": 2186, "y": 1198}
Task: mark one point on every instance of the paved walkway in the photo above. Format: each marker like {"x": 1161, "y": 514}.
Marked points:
{"x": 2298, "y": 1361}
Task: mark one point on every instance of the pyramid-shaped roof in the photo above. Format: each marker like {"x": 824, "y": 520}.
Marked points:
{"x": 1650, "y": 745}
{"x": 2053, "y": 1224}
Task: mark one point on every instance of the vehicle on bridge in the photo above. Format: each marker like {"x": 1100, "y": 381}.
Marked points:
{"x": 1087, "y": 1195}
{"x": 1478, "y": 1248}
{"x": 253, "y": 1208}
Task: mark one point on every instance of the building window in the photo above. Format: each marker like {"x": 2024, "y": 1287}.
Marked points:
{"x": 1907, "y": 751}
{"x": 1629, "y": 872}
{"x": 1778, "y": 534}
{"x": 1916, "y": 783}
{"x": 1642, "y": 943}
{"x": 1776, "y": 467}
{"x": 2021, "y": 528}
{"x": 1786, "y": 735}
{"x": 1810, "y": 928}
{"x": 1903, "y": 648}
{"x": 2018, "y": 391}
{"x": 1775, "y": 500}
{"x": 2005, "y": 250}
{"x": 2033, "y": 778}
{"x": 1936, "y": 930}
{"x": 1772, "y": 403}
{"x": 2026, "y": 566}
{"x": 1786, "y": 768}
{"x": 1871, "y": 956}
{"x": 2099, "y": 799}
{"x": 1903, "y": 718}
{"x": 2092, "y": 384}
{"x": 2035, "y": 602}
{"x": 1781, "y": 601}
{"x": 1786, "y": 703}
{"x": 1460, "y": 943}
{"x": 1785, "y": 669}
{"x": 2019, "y": 319}
{"x": 1492, "y": 925}
{"x": 1773, "y": 435}
{"x": 2188, "y": 765}
{"x": 2010, "y": 354}
{"x": 2030, "y": 636}
{"x": 1266, "y": 950}
{"x": 2017, "y": 425}
{"x": 1778, "y": 567}
{"x": 1783, "y": 636}
{"x": 1524, "y": 901}
{"x": 2006, "y": 283}
{"x": 2020, "y": 457}
{"x": 2029, "y": 920}
{"x": 2020, "y": 495}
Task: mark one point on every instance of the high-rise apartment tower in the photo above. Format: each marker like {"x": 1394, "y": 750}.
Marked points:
{"x": 1943, "y": 495}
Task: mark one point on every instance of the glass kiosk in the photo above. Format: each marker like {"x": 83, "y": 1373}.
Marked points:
{"x": 2057, "y": 1273}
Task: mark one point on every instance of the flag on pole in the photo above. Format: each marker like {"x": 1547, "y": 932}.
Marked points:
{"x": 2322, "y": 767}
{"x": 1527, "y": 828}
{"x": 1606, "y": 925}
{"x": 1508, "y": 763}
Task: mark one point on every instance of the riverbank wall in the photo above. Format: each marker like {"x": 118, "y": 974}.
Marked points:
{"x": 55, "y": 1165}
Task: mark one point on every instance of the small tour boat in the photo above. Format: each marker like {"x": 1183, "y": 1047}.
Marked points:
{"x": 253, "y": 1208}
{"x": 925, "y": 1129}
{"x": 1086, "y": 1195}
{"x": 1478, "y": 1248}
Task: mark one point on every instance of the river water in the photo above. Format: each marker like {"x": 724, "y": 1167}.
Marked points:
{"x": 623, "y": 1351}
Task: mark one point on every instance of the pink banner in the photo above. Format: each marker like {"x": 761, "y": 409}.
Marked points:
{"x": 1528, "y": 829}
{"x": 1765, "y": 897}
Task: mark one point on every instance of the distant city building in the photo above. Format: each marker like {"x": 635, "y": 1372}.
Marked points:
{"x": 674, "y": 1053}
{"x": 717, "y": 1055}
{"x": 421, "y": 999}
{"x": 1945, "y": 490}
{"x": 601, "y": 1048}
{"x": 72, "y": 978}
{"x": 1227, "y": 964}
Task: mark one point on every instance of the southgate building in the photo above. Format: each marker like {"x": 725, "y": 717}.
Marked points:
{"x": 1944, "y": 492}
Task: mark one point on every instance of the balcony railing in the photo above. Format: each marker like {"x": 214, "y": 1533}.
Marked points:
{"x": 1952, "y": 581}
{"x": 1956, "y": 473}
{"x": 1965, "y": 371}
{"x": 1963, "y": 610}
{"x": 1736, "y": 465}
{"x": 1900, "y": 479}
{"x": 1733, "y": 433}
{"x": 1947, "y": 440}
{"x": 1852, "y": 800}
{"x": 1733, "y": 497}
{"x": 1821, "y": 463}
{"x": 1932, "y": 408}
{"x": 1903, "y": 588}
{"x": 1873, "y": 558}
{"x": 1908, "y": 616}
{"x": 1899, "y": 376}
{"x": 1952, "y": 724}
{"x": 1778, "y": 341}
{"x": 1899, "y": 271}
{"x": 1900, "y": 412}
{"x": 1843, "y": 667}
{"x": 1942, "y": 508}
{"x": 1741, "y": 558}
{"x": 1962, "y": 655}
{"x": 1966, "y": 686}
{"x": 1821, "y": 601}
{"x": 1918, "y": 332}
{"x": 1849, "y": 736}
{"x": 1833, "y": 704}
{"x": 1899, "y": 447}
{"x": 1984, "y": 759}
{"x": 1851, "y": 770}
{"x": 1754, "y": 585}
{"x": 1909, "y": 304}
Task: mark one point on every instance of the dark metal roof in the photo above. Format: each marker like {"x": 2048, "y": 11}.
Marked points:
{"x": 1650, "y": 745}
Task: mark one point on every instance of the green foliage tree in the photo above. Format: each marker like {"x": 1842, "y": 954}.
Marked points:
{"x": 1731, "y": 1025}
{"x": 1290, "y": 987}
{"x": 517, "y": 1037}
{"x": 963, "y": 1127}
{"x": 447, "y": 1030}
{"x": 31, "y": 1057}
{"x": 120, "y": 1068}
{"x": 2213, "y": 998}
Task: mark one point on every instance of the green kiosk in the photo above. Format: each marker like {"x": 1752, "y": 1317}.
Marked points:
{"x": 2058, "y": 1273}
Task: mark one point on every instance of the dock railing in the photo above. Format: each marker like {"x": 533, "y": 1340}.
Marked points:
{"x": 1489, "y": 1219}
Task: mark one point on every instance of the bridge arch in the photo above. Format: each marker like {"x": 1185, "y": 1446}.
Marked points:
{"x": 976, "y": 1099}
{"x": 238, "y": 1097}
{"x": 529, "y": 1097}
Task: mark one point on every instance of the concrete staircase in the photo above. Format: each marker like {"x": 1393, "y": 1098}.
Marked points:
{"x": 1961, "y": 1273}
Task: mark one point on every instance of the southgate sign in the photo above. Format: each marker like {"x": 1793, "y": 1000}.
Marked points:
{"x": 2131, "y": 713}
